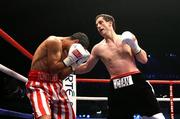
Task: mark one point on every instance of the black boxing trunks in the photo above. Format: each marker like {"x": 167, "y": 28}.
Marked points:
{"x": 131, "y": 94}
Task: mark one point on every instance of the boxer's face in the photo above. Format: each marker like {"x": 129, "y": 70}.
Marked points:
{"x": 102, "y": 26}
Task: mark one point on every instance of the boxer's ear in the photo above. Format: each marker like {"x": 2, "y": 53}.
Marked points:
{"x": 76, "y": 41}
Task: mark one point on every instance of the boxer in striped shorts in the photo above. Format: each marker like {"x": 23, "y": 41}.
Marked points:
{"x": 54, "y": 59}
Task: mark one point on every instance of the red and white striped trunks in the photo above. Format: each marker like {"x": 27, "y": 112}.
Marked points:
{"x": 47, "y": 97}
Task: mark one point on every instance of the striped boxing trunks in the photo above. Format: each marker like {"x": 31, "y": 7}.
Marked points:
{"x": 47, "y": 96}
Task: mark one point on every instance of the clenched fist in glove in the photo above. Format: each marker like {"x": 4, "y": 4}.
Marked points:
{"x": 77, "y": 54}
{"x": 130, "y": 39}
{"x": 80, "y": 61}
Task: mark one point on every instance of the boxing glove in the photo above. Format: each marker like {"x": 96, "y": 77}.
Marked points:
{"x": 76, "y": 52}
{"x": 84, "y": 58}
{"x": 130, "y": 39}
{"x": 80, "y": 61}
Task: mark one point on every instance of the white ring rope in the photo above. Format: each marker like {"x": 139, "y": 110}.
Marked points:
{"x": 105, "y": 99}
{"x": 12, "y": 73}
{"x": 24, "y": 79}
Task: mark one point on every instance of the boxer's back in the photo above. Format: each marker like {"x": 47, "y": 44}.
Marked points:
{"x": 39, "y": 61}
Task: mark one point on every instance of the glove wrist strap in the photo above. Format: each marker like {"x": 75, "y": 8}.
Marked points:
{"x": 138, "y": 52}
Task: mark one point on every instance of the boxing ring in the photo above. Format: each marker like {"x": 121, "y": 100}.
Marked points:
{"x": 18, "y": 76}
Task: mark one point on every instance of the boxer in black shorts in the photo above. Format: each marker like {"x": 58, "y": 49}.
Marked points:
{"x": 119, "y": 53}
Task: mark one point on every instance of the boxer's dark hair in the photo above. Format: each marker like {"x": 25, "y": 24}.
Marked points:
{"x": 82, "y": 37}
{"x": 107, "y": 18}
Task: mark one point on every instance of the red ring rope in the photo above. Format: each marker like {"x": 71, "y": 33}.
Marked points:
{"x": 107, "y": 80}
{"x": 15, "y": 44}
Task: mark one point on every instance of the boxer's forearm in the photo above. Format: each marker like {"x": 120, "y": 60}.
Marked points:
{"x": 83, "y": 68}
{"x": 142, "y": 57}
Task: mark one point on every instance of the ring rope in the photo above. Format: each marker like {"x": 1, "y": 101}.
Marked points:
{"x": 12, "y": 73}
{"x": 9, "y": 39}
{"x": 89, "y": 80}
{"x": 15, "y": 114}
{"x": 106, "y": 98}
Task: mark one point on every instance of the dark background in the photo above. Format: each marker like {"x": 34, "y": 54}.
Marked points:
{"x": 156, "y": 24}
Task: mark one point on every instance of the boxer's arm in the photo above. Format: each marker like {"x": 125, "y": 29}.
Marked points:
{"x": 142, "y": 56}
{"x": 89, "y": 64}
{"x": 54, "y": 55}
{"x": 131, "y": 40}
{"x": 65, "y": 72}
